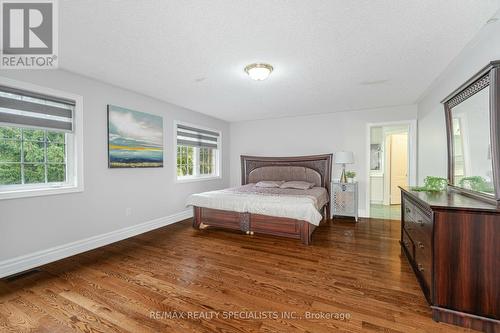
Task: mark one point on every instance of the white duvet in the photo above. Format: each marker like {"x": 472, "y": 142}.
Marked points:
{"x": 295, "y": 204}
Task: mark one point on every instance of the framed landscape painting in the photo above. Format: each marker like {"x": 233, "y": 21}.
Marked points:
{"x": 135, "y": 139}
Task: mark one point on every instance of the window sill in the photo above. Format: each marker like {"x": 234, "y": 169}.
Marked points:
{"x": 196, "y": 179}
{"x": 37, "y": 192}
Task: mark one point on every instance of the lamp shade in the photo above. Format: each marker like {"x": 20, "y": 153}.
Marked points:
{"x": 344, "y": 157}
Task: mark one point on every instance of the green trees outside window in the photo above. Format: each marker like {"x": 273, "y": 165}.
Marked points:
{"x": 194, "y": 161}
{"x": 31, "y": 156}
{"x": 206, "y": 161}
{"x": 185, "y": 165}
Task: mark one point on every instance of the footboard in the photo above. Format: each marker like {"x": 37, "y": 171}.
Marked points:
{"x": 250, "y": 223}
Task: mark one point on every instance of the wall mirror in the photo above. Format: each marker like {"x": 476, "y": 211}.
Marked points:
{"x": 473, "y": 130}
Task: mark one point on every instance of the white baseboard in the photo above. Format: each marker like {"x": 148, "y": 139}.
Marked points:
{"x": 29, "y": 261}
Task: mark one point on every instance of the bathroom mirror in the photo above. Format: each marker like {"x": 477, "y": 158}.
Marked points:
{"x": 472, "y": 119}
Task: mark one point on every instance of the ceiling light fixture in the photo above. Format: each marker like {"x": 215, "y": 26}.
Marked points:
{"x": 259, "y": 72}
{"x": 492, "y": 20}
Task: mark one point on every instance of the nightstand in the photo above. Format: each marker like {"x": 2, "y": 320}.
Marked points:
{"x": 345, "y": 199}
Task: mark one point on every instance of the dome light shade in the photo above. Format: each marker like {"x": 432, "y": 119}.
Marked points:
{"x": 259, "y": 72}
{"x": 344, "y": 157}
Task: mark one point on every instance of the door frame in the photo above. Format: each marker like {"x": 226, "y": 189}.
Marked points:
{"x": 412, "y": 154}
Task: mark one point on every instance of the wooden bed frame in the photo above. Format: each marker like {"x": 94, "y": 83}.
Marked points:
{"x": 270, "y": 225}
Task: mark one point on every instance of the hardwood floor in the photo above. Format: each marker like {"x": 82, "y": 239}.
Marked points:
{"x": 350, "y": 270}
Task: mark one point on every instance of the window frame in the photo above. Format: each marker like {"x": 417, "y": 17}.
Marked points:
{"x": 218, "y": 156}
{"x": 74, "y": 149}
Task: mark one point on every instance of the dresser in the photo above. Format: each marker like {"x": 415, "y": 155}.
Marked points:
{"x": 452, "y": 242}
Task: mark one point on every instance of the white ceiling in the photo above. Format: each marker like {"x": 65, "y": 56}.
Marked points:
{"x": 328, "y": 55}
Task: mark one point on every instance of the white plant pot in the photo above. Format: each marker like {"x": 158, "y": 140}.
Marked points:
{"x": 350, "y": 180}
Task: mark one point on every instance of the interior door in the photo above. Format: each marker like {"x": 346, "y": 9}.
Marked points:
{"x": 399, "y": 166}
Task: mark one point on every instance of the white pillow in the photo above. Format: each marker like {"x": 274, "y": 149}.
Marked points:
{"x": 299, "y": 185}
{"x": 269, "y": 183}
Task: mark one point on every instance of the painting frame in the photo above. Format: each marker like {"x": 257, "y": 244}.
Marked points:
{"x": 134, "y": 163}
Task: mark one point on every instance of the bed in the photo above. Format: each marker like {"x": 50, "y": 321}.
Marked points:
{"x": 279, "y": 212}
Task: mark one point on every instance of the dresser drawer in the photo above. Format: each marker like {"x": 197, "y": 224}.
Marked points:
{"x": 408, "y": 244}
{"x": 419, "y": 231}
{"x": 417, "y": 222}
{"x": 423, "y": 261}
{"x": 422, "y": 242}
{"x": 415, "y": 210}
{"x": 408, "y": 208}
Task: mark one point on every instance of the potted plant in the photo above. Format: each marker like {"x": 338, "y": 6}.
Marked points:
{"x": 350, "y": 176}
{"x": 476, "y": 183}
{"x": 432, "y": 184}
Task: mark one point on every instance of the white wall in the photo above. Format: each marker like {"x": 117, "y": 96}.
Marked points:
{"x": 317, "y": 134}
{"x": 34, "y": 224}
{"x": 432, "y": 151}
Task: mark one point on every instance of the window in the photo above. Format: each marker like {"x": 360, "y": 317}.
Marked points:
{"x": 32, "y": 156}
{"x": 197, "y": 152}
{"x": 38, "y": 144}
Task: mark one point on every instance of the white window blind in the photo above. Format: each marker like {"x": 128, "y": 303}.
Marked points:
{"x": 195, "y": 137}
{"x": 26, "y": 109}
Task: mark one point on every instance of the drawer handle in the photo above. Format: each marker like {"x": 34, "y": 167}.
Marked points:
{"x": 420, "y": 245}
{"x": 420, "y": 267}
{"x": 421, "y": 223}
{"x": 408, "y": 210}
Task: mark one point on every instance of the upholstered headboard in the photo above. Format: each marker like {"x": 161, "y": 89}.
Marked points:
{"x": 278, "y": 172}
{"x": 316, "y": 169}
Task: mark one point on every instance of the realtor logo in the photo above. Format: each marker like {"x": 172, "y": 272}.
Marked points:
{"x": 29, "y": 34}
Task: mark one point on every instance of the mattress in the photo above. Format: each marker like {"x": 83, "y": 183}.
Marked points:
{"x": 290, "y": 203}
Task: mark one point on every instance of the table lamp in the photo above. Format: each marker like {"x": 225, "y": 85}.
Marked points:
{"x": 344, "y": 157}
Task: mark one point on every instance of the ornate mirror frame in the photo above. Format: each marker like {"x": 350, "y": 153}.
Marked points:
{"x": 487, "y": 78}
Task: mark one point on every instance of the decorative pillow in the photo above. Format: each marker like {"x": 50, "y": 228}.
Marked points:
{"x": 299, "y": 185}
{"x": 270, "y": 183}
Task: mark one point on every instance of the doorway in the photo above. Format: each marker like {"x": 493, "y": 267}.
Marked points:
{"x": 392, "y": 164}
{"x": 397, "y": 166}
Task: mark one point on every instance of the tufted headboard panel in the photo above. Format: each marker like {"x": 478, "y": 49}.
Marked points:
{"x": 286, "y": 173}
